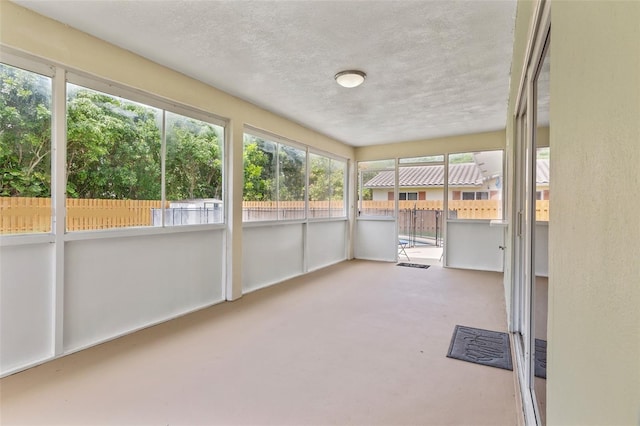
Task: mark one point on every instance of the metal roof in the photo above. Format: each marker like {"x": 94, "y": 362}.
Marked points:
{"x": 464, "y": 174}
{"x": 467, "y": 174}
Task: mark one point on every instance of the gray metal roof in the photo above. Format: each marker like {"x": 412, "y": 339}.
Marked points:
{"x": 464, "y": 174}
{"x": 467, "y": 174}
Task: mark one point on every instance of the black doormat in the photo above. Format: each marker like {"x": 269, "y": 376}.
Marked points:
{"x": 413, "y": 265}
{"x": 540, "y": 364}
{"x": 480, "y": 346}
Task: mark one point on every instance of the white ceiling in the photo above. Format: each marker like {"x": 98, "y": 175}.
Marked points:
{"x": 434, "y": 68}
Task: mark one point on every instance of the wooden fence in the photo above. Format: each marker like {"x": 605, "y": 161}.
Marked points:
{"x": 26, "y": 215}
{"x": 484, "y": 209}
{"x": 272, "y": 210}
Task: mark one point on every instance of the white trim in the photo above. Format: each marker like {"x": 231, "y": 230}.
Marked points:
{"x": 119, "y": 90}
{"x": 525, "y": 394}
{"x": 376, "y": 218}
{"x": 58, "y": 203}
{"x": 11, "y": 240}
{"x": 272, "y": 137}
{"x": 522, "y": 316}
{"x": 25, "y": 62}
{"x": 317, "y": 151}
{"x": 140, "y": 231}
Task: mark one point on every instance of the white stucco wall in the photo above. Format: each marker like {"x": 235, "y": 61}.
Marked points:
{"x": 594, "y": 232}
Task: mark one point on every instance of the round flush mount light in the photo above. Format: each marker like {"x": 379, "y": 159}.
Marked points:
{"x": 350, "y": 78}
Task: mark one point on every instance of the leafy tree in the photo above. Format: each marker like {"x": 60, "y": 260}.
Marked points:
{"x": 25, "y": 133}
{"x": 337, "y": 180}
{"x": 319, "y": 185}
{"x": 292, "y": 179}
{"x": 259, "y": 169}
{"x": 113, "y": 148}
{"x": 194, "y": 160}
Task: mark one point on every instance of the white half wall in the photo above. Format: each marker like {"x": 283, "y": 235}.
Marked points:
{"x": 271, "y": 253}
{"x": 474, "y": 244}
{"x": 26, "y": 305}
{"x": 376, "y": 240}
{"x": 326, "y": 243}
{"x": 117, "y": 285}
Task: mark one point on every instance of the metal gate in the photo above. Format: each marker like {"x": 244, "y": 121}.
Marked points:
{"x": 420, "y": 226}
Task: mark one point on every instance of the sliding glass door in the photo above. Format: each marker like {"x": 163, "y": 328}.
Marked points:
{"x": 530, "y": 229}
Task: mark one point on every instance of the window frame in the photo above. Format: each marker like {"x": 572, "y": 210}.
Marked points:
{"x": 138, "y": 96}
{"x": 281, "y": 140}
{"x": 65, "y": 74}
{"x": 28, "y": 64}
{"x": 345, "y": 180}
{"x": 475, "y": 195}
{"x": 406, "y": 195}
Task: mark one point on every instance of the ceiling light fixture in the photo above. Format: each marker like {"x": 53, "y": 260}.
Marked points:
{"x": 350, "y": 78}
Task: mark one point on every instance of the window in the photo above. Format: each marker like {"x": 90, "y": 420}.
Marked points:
{"x": 376, "y": 180}
{"x": 193, "y": 170}
{"x": 274, "y": 180}
{"x": 478, "y": 195}
{"x": 475, "y": 185}
{"x": 407, "y": 196}
{"x": 25, "y": 151}
{"x": 114, "y": 164}
{"x": 326, "y": 186}
{"x": 292, "y": 172}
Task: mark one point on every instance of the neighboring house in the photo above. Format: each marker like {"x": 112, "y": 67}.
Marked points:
{"x": 467, "y": 181}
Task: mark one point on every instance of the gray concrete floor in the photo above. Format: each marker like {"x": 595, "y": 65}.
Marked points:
{"x": 359, "y": 343}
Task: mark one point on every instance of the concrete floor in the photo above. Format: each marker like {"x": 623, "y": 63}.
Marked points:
{"x": 359, "y": 343}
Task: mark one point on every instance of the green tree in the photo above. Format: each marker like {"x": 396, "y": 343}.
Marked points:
{"x": 292, "y": 179}
{"x": 319, "y": 185}
{"x": 25, "y": 133}
{"x": 259, "y": 170}
{"x": 194, "y": 160}
{"x": 113, "y": 148}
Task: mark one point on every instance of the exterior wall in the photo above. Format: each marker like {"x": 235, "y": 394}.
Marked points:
{"x": 594, "y": 286}
{"x": 435, "y": 193}
{"x": 381, "y": 194}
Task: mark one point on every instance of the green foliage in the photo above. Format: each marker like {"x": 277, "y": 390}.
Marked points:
{"x": 113, "y": 148}
{"x": 194, "y": 159}
{"x": 259, "y": 169}
{"x": 466, "y": 157}
{"x": 292, "y": 179}
{"x": 25, "y": 133}
{"x": 326, "y": 179}
{"x": 113, "y": 145}
{"x": 114, "y": 151}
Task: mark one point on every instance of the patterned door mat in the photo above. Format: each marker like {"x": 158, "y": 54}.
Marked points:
{"x": 480, "y": 346}
{"x": 413, "y": 265}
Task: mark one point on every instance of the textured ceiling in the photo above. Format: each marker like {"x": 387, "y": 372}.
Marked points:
{"x": 434, "y": 68}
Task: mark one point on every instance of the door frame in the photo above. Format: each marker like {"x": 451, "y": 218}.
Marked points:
{"x": 523, "y": 210}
